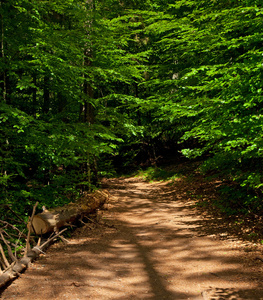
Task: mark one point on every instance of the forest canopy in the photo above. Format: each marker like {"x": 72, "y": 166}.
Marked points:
{"x": 86, "y": 86}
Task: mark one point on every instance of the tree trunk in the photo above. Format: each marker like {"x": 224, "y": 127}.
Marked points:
{"x": 2, "y": 55}
{"x": 52, "y": 220}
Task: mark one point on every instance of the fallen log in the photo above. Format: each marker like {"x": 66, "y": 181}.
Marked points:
{"x": 52, "y": 220}
{"x": 47, "y": 221}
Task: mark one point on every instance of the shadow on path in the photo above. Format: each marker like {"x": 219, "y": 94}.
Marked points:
{"x": 149, "y": 250}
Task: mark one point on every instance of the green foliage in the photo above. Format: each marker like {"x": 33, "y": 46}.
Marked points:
{"x": 237, "y": 200}
{"x": 64, "y": 59}
{"x": 90, "y": 87}
{"x": 210, "y": 75}
{"x": 159, "y": 174}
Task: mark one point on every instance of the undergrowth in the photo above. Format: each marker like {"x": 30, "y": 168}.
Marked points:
{"x": 157, "y": 173}
{"x": 214, "y": 195}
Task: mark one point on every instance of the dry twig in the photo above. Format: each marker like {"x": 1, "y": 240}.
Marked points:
{"x": 17, "y": 242}
{"x": 5, "y": 261}
{"x": 14, "y": 213}
{"x": 51, "y": 239}
{"x": 28, "y": 248}
{"x": 10, "y": 253}
{"x": 13, "y": 227}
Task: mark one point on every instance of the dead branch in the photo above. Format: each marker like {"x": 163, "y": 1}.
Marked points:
{"x": 92, "y": 221}
{"x": 10, "y": 253}
{"x": 47, "y": 221}
{"x": 14, "y": 270}
{"x": 2, "y": 263}
{"x": 13, "y": 227}
{"x": 17, "y": 244}
{"x": 5, "y": 261}
{"x": 3, "y": 231}
{"x": 38, "y": 242}
{"x": 85, "y": 224}
{"x": 28, "y": 247}
{"x": 14, "y": 213}
{"x": 50, "y": 239}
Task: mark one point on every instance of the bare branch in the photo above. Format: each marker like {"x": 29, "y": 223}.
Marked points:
{"x": 53, "y": 237}
{"x": 28, "y": 248}
{"x": 13, "y": 227}
{"x": 14, "y": 213}
{"x": 38, "y": 242}
{"x": 6, "y": 233}
{"x": 2, "y": 263}
{"x": 5, "y": 261}
{"x": 17, "y": 243}
{"x": 10, "y": 253}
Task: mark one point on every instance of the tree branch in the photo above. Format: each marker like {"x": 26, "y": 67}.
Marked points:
{"x": 28, "y": 248}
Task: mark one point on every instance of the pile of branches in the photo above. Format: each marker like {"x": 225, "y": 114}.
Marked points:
{"x": 14, "y": 257}
{"x": 18, "y": 250}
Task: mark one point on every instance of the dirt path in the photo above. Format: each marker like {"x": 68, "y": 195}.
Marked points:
{"x": 153, "y": 247}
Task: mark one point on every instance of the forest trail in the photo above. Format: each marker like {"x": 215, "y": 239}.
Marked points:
{"x": 153, "y": 245}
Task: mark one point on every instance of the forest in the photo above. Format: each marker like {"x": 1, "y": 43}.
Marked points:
{"x": 95, "y": 88}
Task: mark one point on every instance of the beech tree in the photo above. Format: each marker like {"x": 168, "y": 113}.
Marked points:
{"x": 84, "y": 84}
{"x": 67, "y": 74}
{"x": 210, "y": 88}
